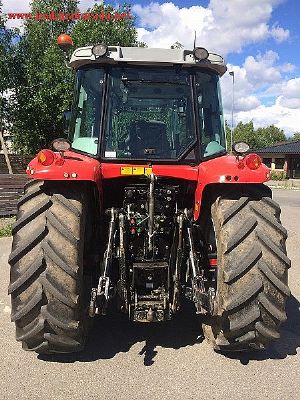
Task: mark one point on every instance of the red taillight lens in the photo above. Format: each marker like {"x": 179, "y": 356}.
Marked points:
{"x": 253, "y": 161}
{"x": 46, "y": 157}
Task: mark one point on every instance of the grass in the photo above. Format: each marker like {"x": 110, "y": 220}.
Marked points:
{"x": 6, "y": 226}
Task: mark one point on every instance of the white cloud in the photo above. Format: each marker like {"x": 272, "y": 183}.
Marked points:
{"x": 260, "y": 76}
{"x": 284, "y": 113}
{"x": 85, "y": 4}
{"x": 283, "y": 117}
{"x": 247, "y": 103}
{"x": 290, "y": 103}
{"x": 15, "y": 7}
{"x": 279, "y": 34}
{"x": 162, "y": 25}
{"x": 224, "y": 26}
{"x": 288, "y": 93}
{"x": 261, "y": 70}
{"x": 291, "y": 88}
{"x": 260, "y": 79}
{"x": 287, "y": 67}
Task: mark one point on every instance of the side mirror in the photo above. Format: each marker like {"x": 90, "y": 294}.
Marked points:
{"x": 67, "y": 119}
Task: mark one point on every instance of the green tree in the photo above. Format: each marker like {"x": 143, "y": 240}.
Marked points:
{"x": 109, "y": 31}
{"x": 244, "y": 132}
{"x": 6, "y": 62}
{"x": 269, "y": 135}
{"x": 43, "y": 84}
{"x": 296, "y": 136}
{"x": 228, "y": 135}
{"x": 261, "y": 137}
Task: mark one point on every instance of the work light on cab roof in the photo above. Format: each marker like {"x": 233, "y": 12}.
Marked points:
{"x": 201, "y": 53}
{"x": 99, "y": 50}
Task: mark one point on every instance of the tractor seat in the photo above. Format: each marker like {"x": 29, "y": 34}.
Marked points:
{"x": 148, "y": 139}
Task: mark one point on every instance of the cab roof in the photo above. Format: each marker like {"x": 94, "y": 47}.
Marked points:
{"x": 147, "y": 56}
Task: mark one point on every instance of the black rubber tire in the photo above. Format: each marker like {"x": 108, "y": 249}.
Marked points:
{"x": 46, "y": 279}
{"x": 252, "y": 281}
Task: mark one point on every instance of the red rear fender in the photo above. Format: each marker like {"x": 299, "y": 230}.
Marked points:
{"x": 226, "y": 170}
{"x": 77, "y": 167}
{"x": 71, "y": 167}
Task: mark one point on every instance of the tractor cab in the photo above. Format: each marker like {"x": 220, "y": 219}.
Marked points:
{"x": 140, "y": 104}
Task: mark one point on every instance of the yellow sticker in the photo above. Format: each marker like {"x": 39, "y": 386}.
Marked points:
{"x": 138, "y": 170}
{"x": 148, "y": 171}
{"x": 126, "y": 170}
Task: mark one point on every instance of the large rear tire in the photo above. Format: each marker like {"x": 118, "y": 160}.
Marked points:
{"x": 252, "y": 271}
{"x": 47, "y": 279}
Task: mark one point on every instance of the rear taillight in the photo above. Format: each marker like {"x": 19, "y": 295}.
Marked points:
{"x": 253, "y": 161}
{"x": 46, "y": 157}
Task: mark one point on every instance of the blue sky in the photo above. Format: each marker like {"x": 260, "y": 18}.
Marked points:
{"x": 260, "y": 40}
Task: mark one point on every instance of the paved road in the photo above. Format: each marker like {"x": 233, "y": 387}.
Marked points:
{"x": 157, "y": 362}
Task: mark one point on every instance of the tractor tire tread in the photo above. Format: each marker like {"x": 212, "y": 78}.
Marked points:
{"x": 58, "y": 259}
{"x": 49, "y": 287}
{"x": 242, "y": 297}
{"x": 241, "y": 233}
{"x": 252, "y": 282}
{"x": 35, "y": 266}
{"x": 31, "y": 331}
{"x": 27, "y": 244}
{"x": 241, "y": 266}
{"x": 35, "y": 299}
{"x": 281, "y": 286}
{"x": 249, "y": 316}
{"x": 29, "y": 216}
{"x": 45, "y": 285}
{"x": 61, "y": 227}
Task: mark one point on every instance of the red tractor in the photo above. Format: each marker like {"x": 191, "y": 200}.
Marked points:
{"x": 143, "y": 208}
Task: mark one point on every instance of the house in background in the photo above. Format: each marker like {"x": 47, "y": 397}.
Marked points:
{"x": 282, "y": 158}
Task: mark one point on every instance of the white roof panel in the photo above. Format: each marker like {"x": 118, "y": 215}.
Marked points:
{"x": 147, "y": 56}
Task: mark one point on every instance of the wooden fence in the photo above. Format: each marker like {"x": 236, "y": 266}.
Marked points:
{"x": 11, "y": 189}
{"x": 11, "y": 185}
{"x": 17, "y": 161}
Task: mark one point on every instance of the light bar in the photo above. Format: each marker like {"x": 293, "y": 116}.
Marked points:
{"x": 99, "y": 50}
{"x": 200, "y": 53}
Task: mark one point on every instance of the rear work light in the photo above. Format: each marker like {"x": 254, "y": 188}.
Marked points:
{"x": 46, "y": 157}
{"x": 253, "y": 161}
